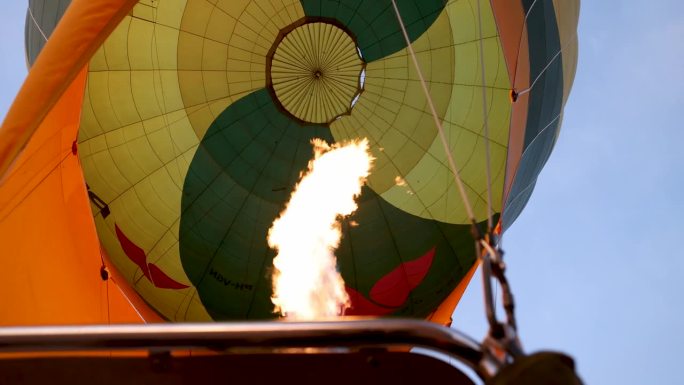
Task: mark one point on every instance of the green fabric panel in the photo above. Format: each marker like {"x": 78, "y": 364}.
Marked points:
{"x": 374, "y": 23}
{"x": 545, "y": 103}
{"x": 238, "y": 182}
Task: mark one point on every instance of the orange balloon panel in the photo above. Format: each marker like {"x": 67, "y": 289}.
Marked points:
{"x": 50, "y": 258}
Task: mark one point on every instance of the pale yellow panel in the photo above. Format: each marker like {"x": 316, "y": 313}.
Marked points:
{"x": 134, "y": 217}
{"x": 160, "y": 196}
{"x": 170, "y": 264}
{"x": 116, "y": 47}
{"x": 493, "y": 56}
{"x": 158, "y": 135}
{"x": 218, "y": 106}
{"x": 234, "y": 8}
{"x": 214, "y": 56}
{"x": 170, "y": 13}
{"x": 182, "y": 134}
{"x": 190, "y": 51}
{"x": 135, "y": 159}
{"x": 144, "y": 10}
{"x": 195, "y": 312}
{"x": 168, "y": 87}
{"x": 165, "y": 47}
{"x": 140, "y": 36}
{"x": 178, "y": 169}
{"x": 144, "y": 95}
{"x": 463, "y": 100}
{"x": 132, "y": 132}
{"x": 499, "y": 115}
{"x": 464, "y": 20}
{"x": 98, "y": 87}
{"x": 89, "y": 126}
{"x": 467, "y": 63}
{"x": 196, "y": 16}
{"x": 98, "y": 62}
{"x": 103, "y": 175}
{"x": 220, "y": 26}
{"x": 166, "y": 250}
{"x": 202, "y": 118}
{"x": 192, "y": 96}
{"x": 121, "y": 98}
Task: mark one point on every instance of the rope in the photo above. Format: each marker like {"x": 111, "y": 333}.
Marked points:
{"x": 438, "y": 123}
{"x": 36, "y": 24}
{"x": 553, "y": 59}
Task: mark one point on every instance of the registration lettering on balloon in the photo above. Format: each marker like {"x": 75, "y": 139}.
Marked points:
{"x": 227, "y": 282}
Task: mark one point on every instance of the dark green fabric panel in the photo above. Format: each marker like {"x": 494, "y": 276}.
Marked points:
{"x": 239, "y": 181}
{"x": 47, "y": 14}
{"x": 374, "y": 23}
{"x": 545, "y": 103}
{"x": 241, "y": 175}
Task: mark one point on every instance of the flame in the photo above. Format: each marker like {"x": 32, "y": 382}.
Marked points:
{"x": 306, "y": 283}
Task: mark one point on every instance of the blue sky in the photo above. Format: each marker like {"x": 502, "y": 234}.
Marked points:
{"x": 594, "y": 259}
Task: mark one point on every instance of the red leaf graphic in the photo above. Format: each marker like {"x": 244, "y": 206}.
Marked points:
{"x": 151, "y": 271}
{"x": 163, "y": 281}
{"x": 134, "y": 253}
{"x": 393, "y": 289}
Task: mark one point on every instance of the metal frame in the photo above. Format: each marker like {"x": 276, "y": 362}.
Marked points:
{"x": 267, "y": 336}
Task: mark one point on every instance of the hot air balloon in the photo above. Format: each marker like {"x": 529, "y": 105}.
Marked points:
{"x": 197, "y": 118}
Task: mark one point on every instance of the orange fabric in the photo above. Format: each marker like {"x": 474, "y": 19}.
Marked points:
{"x": 442, "y": 315}
{"x": 50, "y": 261}
{"x": 510, "y": 20}
{"x": 83, "y": 28}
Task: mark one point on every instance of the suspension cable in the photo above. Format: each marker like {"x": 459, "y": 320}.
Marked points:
{"x": 553, "y": 59}
{"x": 30, "y": 12}
{"x": 492, "y": 262}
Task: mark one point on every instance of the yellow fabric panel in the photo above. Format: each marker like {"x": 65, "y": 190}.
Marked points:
{"x": 411, "y": 171}
{"x": 168, "y": 13}
{"x": 143, "y": 91}
{"x": 114, "y": 48}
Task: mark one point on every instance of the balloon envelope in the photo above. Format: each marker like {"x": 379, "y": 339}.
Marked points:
{"x": 198, "y": 115}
